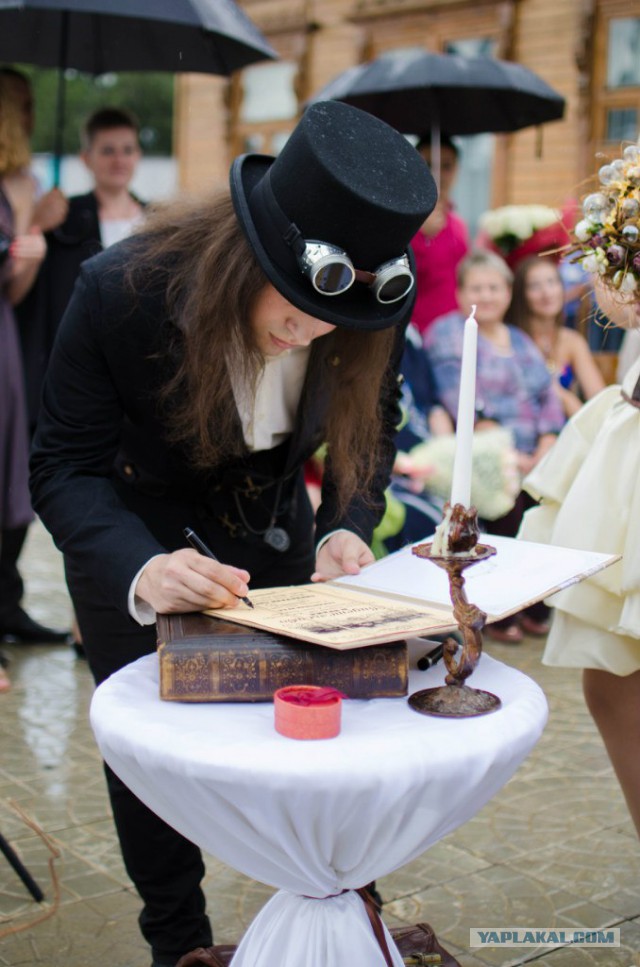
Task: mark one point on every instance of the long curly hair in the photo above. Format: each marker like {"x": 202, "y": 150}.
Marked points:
{"x": 197, "y": 252}
{"x": 14, "y": 143}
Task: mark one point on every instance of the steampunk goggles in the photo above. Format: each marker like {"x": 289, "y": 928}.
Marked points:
{"x": 331, "y": 271}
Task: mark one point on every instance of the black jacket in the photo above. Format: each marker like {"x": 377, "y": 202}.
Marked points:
{"x": 110, "y": 488}
{"x": 68, "y": 246}
{"x": 39, "y": 315}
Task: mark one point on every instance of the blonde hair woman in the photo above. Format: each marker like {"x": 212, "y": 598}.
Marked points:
{"x": 19, "y": 191}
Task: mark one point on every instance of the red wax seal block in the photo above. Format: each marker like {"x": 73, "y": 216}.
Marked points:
{"x": 308, "y": 711}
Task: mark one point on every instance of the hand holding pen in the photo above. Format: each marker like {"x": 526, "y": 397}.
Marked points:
{"x": 200, "y": 545}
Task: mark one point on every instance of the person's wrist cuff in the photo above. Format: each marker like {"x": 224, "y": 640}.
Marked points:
{"x": 141, "y": 611}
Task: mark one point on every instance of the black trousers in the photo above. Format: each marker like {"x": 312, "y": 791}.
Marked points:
{"x": 11, "y": 584}
{"x": 165, "y": 868}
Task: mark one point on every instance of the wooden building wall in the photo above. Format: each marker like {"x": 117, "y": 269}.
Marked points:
{"x": 201, "y": 131}
{"x": 544, "y": 165}
{"x": 562, "y": 40}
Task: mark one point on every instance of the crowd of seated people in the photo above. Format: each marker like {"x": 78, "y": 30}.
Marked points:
{"x": 535, "y": 369}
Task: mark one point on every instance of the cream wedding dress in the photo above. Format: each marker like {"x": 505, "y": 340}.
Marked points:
{"x": 589, "y": 485}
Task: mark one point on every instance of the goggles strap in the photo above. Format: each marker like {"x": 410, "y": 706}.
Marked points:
{"x": 363, "y": 276}
{"x": 293, "y": 238}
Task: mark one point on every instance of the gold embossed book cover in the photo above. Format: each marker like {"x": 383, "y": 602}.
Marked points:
{"x": 205, "y": 659}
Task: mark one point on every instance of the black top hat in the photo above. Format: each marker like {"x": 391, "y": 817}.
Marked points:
{"x": 346, "y": 179}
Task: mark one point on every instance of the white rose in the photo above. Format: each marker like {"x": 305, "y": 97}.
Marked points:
{"x": 584, "y": 230}
{"x": 590, "y": 263}
{"x": 533, "y": 214}
{"x": 542, "y": 216}
{"x": 521, "y": 225}
{"x": 627, "y": 283}
{"x": 596, "y": 262}
{"x": 502, "y": 222}
{"x": 602, "y": 263}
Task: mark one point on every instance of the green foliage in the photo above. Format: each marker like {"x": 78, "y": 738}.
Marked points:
{"x": 148, "y": 95}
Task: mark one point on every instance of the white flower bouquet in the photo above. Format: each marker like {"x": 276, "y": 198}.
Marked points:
{"x": 608, "y": 235}
{"x": 495, "y": 480}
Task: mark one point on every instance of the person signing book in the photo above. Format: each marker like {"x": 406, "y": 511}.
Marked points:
{"x": 199, "y": 364}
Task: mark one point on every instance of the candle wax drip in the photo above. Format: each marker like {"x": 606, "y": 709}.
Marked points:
{"x": 457, "y": 532}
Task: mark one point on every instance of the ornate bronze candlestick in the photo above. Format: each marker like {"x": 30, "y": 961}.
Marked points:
{"x": 455, "y": 699}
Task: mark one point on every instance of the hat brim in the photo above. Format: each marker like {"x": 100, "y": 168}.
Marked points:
{"x": 357, "y": 308}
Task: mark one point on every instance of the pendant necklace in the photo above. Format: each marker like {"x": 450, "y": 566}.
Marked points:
{"x": 275, "y": 537}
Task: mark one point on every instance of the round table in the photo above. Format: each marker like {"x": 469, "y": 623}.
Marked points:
{"x": 314, "y": 818}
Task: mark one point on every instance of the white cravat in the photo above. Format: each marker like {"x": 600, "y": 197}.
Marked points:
{"x": 268, "y": 413}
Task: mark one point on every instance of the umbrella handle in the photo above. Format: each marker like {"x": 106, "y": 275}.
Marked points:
{"x": 58, "y": 145}
{"x": 435, "y": 152}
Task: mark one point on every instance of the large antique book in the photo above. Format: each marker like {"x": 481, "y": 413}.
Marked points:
{"x": 404, "y": 596}
{"x": 205, "y": 659}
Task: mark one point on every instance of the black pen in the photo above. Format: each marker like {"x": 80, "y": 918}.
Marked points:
{"x": 430, "y": 659}
{"x": 200, "y": 545}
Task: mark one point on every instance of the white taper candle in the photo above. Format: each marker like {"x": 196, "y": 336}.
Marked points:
{"x": 463, "y": 460}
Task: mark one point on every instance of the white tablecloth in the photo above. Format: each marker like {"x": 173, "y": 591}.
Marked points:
{"x": 315, "y": 817}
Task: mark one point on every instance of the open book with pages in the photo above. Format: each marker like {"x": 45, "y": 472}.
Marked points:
{"x": 403, "y": 596}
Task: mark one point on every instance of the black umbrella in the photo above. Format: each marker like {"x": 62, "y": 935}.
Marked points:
{"x": 205, "y": 36}
{"x": 416, "y": 91}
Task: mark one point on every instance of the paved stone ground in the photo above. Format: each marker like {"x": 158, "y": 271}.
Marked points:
{"x": 554, "y": 849}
